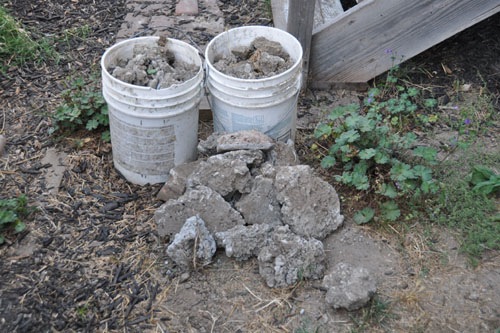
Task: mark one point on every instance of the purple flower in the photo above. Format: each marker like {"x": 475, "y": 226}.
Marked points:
{"x": 388, "y": 51}
{"x": 467, "y": 121}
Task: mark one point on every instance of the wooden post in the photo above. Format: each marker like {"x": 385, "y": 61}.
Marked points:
{"x": 300, "y": 24}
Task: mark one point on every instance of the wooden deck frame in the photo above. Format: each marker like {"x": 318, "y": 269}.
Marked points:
{"x": 373, "y": 36}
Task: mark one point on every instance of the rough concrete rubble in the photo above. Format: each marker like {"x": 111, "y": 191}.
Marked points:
{"x": 193, "y": 245}
{"x": 349, "y": 287}
{"x": 310, "y": 206}
{"x": 153, "y": 66}
{"x": 262, "y": 58}
{"x": 289, "y": 258}
{"x": 255, "y": 204}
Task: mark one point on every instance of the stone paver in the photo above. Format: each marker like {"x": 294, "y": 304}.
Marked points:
{"x": 187, "y": 7}
{"x": 183, "y": 20}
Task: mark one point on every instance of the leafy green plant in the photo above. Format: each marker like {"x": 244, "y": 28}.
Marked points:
{"x": 17, "y": 45}
{"x": 12, "y": 213}
{"x": 375, "y": 152}
{"x": 83, "y": 107}
{"x": 472, "y": 213}
{"x": 485, "y": 181}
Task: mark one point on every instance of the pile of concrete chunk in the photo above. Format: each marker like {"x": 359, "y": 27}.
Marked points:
{"x": 250, "y": 198}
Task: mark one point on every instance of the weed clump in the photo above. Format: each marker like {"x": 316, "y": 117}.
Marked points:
{"x": 17, "y": 46}
{"x": 375, "y": 149}
{"x": 83, "y": 107}
{"x": 12, "y": 214}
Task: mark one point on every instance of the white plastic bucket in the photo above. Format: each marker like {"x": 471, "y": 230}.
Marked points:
{"x": 152, "y": 130}
{"x": 268, "y": 105}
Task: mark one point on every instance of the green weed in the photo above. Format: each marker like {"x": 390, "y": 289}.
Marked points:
{"x": 18, "y": 46}
{"x": 467, "y": 203}
{"x": 83, "y": 107}
{"x": 376, "y": 150}
{"x": 12, "y": 214}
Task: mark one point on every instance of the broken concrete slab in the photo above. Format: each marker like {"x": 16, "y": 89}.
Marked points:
{"x": 193, "y": 246}
{"x": 260, "y": 206}
{"x": 200, "y": 200}
{"x": 222, "y": 174}
{"x": 349, "y": 287}
{"x": 242, "y": 242}
{"x": 244, "y": 140}
{"x": 310, "y": 206}
{"x": 175, "y": 185}
{"x": 289, "y": 258}
{"x": 253, "y": 158}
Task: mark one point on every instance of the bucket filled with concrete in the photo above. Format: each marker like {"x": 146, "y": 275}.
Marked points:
{"x": 253, "y": 77}
{"x": 153, "y": 87}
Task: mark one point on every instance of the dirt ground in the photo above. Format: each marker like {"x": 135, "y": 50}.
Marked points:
{"x": 91, "y": 260}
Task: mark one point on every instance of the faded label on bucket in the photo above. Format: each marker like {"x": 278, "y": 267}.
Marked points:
{"x": 240, "y": 122}
{"x": 143, "y": 150}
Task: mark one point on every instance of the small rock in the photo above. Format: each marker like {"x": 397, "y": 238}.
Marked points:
{"x": 269, "y": 65}
{"x": 193, "y": 245}
{"x": 349, "y": 287}
{"x": 184, "y": 277}
{"x": 241, "y": 52}
{"x": 270, "y": 47}
{"x": 244, "y": 140}
{"x": 290, "y": 258}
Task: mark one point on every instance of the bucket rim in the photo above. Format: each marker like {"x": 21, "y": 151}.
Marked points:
{"x": 210, "y": 67}
{"x": 198, "y": 76}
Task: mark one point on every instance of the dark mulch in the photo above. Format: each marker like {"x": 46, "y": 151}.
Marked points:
{"x": 90, "y": 259}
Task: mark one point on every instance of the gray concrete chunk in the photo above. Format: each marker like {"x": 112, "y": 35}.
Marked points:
{"x": 260, "y": 205}
{"x": 349, "y": 287}
{"x": 175, "y": 185}
{"x": 244, "y": 140}
{"x": 193, "y": 246}
{"x": 310, "y": 206}
{"x": 226, "y": 173}
{"x": 289, "y": 258}
{"x": 201, "y": 200}
{"x": 243, "y": 242}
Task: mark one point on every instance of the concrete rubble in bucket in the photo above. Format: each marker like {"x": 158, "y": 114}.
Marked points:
{"x": 253, "y": 200}
{"x": 152, "y": 130}
{"x": 267, "y": 104}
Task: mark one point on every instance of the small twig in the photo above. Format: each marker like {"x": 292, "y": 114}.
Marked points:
{"x": 194, "y": 249}
{"x": 251, "y": 293}
{"x": 214, "y": 319}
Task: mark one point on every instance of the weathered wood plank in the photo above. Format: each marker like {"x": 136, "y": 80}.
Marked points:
{"x": 371, "y": 37}
{"x": 280, "y": 13}
{"x": 300, "y": 24}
